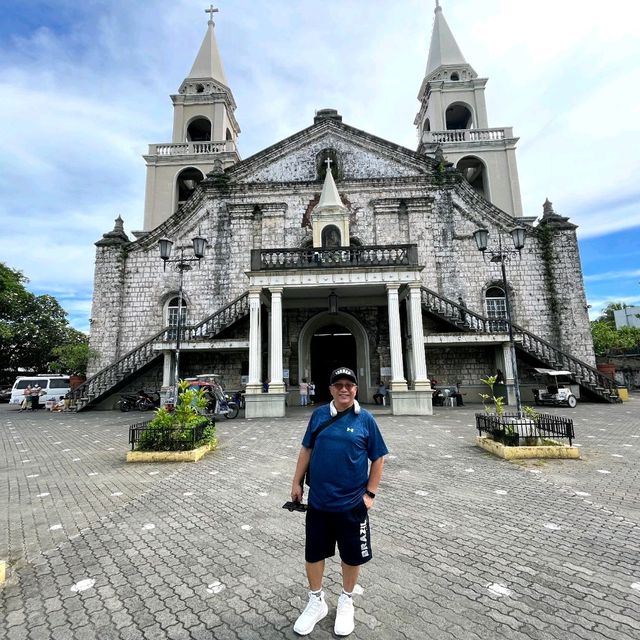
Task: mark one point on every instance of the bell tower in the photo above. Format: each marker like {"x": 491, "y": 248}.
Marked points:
{"x": 205, "y": 133}
{"x": 453, "y": 115}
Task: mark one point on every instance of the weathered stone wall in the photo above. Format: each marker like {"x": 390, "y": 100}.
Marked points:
{"x": 393, "y": 199}
{"x": 106, "y": 307}
{"x": 466, "y": 365}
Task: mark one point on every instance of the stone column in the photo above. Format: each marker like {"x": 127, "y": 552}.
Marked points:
{"x": 398, "y": 383}
{"x": 508, "y": 373}
{"x": 276, "y": 384}
{"x": 421, "y": 381}
{"x": 254, "y": 384}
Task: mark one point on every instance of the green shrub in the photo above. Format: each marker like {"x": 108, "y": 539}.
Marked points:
{"x": 173, "y": 430}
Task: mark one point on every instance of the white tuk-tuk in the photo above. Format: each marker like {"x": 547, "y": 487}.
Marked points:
{"x": 557, "y": 390}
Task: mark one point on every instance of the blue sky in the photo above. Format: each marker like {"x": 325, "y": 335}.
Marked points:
{"x": 86, "y": 88}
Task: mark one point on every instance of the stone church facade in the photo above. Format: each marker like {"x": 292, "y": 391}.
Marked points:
{"x": 336, "y": 247}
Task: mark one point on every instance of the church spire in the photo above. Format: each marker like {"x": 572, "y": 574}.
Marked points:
{"x": 329, "y": 198}
{"x": 205, "y": 133}
{"x": 330, "y": 218}
{"x": 208, "y": 64}
{"x": 444, "y": 50}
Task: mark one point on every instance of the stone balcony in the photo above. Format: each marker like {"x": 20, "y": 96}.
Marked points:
{"x": 339, "y": 257}
{"x": 192, "y": 148}
{"x": 467, "y": 135}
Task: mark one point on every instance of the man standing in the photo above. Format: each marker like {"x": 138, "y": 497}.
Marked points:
{"x": 340, "y": 440}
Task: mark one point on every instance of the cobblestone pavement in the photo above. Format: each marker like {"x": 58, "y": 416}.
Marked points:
{"x": 466, "y": 546}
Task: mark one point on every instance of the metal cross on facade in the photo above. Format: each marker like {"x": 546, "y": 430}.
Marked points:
{"x": 211, "y": 11}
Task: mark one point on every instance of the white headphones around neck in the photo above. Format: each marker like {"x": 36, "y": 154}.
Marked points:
{"x": 334, "y": 412}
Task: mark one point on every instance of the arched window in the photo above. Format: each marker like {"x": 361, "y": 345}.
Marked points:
{"x": 330, "y": 237}
{"x": 199, "y": 130}
{"x": 496, "y": 303}
{"x": 455, "y": 76}
{"x": 187, "y": 180}
{"x": 427, "y": 125}
{"x": 172, "y": 315}
{"x": 474, "y": 172}
{"x": 458, "y": 116}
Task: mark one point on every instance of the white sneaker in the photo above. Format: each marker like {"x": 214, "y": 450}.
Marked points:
{"x": 315, "y": 610}
{"x": 344, "y": 616}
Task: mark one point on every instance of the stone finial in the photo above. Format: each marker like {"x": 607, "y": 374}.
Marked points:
{"x": 438, "y": 154}
{"x": 116, "y": 236}
{"x": 118, "y": 227}
{"x": 552, "y": 219}
{"x": 547, "y": 209}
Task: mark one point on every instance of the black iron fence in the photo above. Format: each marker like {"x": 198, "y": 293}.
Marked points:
{"x": 167, "y": 438}
{"x": 510, "y": 428}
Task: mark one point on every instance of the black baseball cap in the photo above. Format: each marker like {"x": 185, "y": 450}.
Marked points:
{"x": 343, "y": 372}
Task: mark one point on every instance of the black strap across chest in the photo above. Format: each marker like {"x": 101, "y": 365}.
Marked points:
{"x": 328, "y": 423}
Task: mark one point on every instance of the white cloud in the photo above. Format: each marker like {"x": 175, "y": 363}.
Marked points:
{"x": 84, "y": 95}
{"x": 610, "y": 275}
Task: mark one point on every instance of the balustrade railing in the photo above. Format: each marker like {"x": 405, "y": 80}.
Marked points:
{"x": 144, "y": 353}
{"x": 467, "y": 135}
{"x": 218, "y": 321}
{"x": 365, "y": 256}
{"x": 468, "y": 320}
{"x": 190, "y": 148}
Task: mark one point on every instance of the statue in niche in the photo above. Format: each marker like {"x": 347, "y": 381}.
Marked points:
{"x": 330, "y": 237}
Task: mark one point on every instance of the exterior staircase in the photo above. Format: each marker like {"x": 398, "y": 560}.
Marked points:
{"x": 588, "y": 377}
{"x": 116, "y": 375}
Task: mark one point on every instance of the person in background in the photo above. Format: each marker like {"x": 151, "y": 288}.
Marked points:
{"x": 499, "y": 377}
{"x": 312, "y": 392}
{"x": 381, "y": 394}
{"x": 26, "y": 399}
{"x": 304, "y": 393}
{"x": 36, "y": 392}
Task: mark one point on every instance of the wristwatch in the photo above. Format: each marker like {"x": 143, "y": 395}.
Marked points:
{"x": 370, "y": 494}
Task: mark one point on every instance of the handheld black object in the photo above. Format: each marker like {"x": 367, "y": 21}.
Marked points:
{"x": 294, "y": 506}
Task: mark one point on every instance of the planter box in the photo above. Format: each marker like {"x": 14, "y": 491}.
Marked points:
{"x": 519, "y": 453}
{"x": 193, "y": 455}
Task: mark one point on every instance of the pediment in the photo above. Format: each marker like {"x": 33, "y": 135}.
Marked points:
{"x": 360, "y": 156}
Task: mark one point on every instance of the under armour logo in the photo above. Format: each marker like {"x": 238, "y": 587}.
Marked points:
{"x": 350, "y": 429}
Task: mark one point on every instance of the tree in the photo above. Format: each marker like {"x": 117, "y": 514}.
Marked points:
{"x": 72, "y": 356}
{"x": 31, "y": 326}
{"x": 607, "y": 340}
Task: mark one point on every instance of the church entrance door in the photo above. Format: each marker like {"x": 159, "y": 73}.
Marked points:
{"x": 332, "y": 346}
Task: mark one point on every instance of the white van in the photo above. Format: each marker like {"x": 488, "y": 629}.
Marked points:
{"x": 52, "y": 385}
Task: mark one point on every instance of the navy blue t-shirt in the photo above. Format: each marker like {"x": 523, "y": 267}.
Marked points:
{"x": 339, "y": 463}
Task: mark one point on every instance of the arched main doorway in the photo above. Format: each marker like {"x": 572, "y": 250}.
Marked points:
{"x": 332, "y": 346}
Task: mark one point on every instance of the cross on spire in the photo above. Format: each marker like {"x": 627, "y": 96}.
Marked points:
{"x": 328, "y": 162}
{"x": 211, "y": 10}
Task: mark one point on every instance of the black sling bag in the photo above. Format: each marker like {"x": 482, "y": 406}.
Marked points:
{"x": 314, "y": 436}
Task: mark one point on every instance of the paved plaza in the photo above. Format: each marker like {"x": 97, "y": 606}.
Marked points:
{"x": 466, "y": 546}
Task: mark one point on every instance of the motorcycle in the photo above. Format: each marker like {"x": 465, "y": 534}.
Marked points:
{"x": 141, "y": 401}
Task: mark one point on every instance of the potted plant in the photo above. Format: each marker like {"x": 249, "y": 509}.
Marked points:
{"x": 183, "y": 428}
{"x": 498, "y": 432}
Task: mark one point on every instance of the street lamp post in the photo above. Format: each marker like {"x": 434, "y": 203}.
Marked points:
{"x": 182, "y": 264}
{"x": 503, "y": 254}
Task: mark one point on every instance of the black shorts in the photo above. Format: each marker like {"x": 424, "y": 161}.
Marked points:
{"x": 350, "y": 529}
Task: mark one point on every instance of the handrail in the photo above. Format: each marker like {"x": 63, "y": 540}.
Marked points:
{"x": 472, "y": 321}
{"x": 143, "y": 353}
